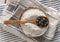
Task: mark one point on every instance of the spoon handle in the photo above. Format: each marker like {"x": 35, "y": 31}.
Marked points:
{"x": 18, "y": 21}
{"x": 14, "y": 22}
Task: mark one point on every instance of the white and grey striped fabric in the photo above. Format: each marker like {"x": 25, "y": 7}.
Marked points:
{"x": 52, "y": 3}
{"x": 9, "y": 37}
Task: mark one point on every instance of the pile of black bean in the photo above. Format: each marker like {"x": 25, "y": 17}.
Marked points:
{"x": 42, "y": 21}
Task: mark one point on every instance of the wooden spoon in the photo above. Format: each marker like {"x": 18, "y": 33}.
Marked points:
{"x": 40, "y": 21}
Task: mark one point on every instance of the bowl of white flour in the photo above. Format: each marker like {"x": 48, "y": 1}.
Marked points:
{"x": 30, "y": 29}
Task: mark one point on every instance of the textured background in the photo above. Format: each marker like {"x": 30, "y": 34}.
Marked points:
{"x": 9, "y": 37}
